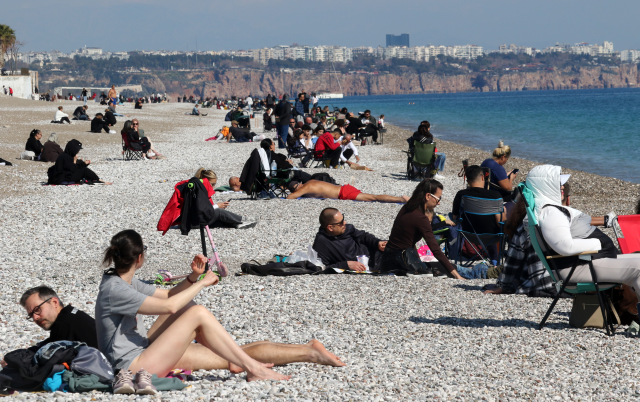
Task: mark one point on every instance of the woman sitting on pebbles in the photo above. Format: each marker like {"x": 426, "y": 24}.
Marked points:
{"x": 412, "y": 224}
{"x": 169, "y": 342}
{"x": 34, "y": 145}
{"x": 70, "y": 169}
{"x": 51, "y": 149}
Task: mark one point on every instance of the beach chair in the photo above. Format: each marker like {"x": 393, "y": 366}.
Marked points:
{"x": 318, "y": 158}
{"x": 298, "y": 152}
{"x": 420, "y": 161}
{"x": 475, "y": 236}
{"x": 547, "y": 256}
{"x": 272, "y": 183}
{"x": 128, "y": 153}
{"x": 627, "y": 230}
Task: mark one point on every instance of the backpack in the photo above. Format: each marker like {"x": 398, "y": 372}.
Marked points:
{"x": 323, "y": 177}
{"x": 90, "y": 361}
{"x": 281, "y": 269}
{"x": 196, "y": 209}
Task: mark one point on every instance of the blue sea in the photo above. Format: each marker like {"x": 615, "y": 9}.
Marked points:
{"x": 595, "y": 130}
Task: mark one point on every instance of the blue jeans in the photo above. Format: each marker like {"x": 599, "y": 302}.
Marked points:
{"x": 479, "y": 271}
{"x": 83, "y": 117}
{"x": 85, "y": 99}
{"x": 283, "y": 133}
{"x": 440, "y": 159}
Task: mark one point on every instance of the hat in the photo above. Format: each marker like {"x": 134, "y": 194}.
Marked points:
{"x": 234, "y": 122}
{"x": 564, "y": 178}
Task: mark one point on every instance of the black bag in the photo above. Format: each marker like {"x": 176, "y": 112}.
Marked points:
{"x": 323, "y": 177}
{"x": 197, "y": 209}
{"x": 412, "y": 260}
{"x": 281, "y": 269}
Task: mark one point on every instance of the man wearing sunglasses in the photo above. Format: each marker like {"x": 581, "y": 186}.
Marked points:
{"x": 339, "y": 244}
{"x": 43, "y": 306}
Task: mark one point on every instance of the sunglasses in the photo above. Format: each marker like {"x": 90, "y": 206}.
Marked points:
{"x": 338, "y": 223}
{"x": 437, "y": 198}
{"x": 37, "y": 309}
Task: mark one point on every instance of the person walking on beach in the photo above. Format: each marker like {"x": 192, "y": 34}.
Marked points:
{"x": 10, "y": 91}
{"x": 283, "y": 116}
{"x": 113, "y": 94}
{"x": 84, "y": 95}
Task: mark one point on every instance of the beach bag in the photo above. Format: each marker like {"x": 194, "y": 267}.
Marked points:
{"x": 326, "y": 177}
{"x": 225, "y": 131}
{"x": 91, "y": 361}
{"x": 28, "y": 155}
{"x": 586, "y": 312}
{"x": 281, "y": 269}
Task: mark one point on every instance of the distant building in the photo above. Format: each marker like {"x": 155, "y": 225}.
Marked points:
{"x": 629, "y": 56}
{"x": 398, "y": 40}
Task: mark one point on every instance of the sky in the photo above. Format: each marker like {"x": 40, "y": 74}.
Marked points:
{"x": 125, "y": 25}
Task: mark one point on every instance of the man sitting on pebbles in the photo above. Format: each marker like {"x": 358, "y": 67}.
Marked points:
{"x": 65, "y": 323}
{"x": 321, "y": 189}
{"x": 340, "y": 244}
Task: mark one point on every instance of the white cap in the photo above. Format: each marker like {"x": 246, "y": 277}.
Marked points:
{"x": 564, "y": 178}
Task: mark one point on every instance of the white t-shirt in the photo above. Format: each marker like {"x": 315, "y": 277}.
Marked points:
{"x": 381, "y": 123}
{"x": 350, "y": 145}
{"x": 249, "y": 101}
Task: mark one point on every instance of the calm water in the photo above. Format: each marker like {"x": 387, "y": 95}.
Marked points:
{"x": 592, "y": 130}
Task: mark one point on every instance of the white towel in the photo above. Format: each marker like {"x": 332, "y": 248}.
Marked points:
{"x": 264, "y": 162}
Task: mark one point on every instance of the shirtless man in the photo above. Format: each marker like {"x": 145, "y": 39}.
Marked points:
{"x": 113, "y": 95}
{"x": 321, "y": 189}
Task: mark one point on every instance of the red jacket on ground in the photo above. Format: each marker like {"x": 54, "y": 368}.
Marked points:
{"x": 171, "y": 214}
{"x": 326, "y": 141}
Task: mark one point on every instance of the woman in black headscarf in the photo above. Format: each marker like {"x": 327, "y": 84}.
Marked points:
{"x": 69, "y": 169}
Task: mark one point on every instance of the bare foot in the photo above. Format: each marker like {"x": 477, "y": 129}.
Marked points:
{"x": 322, "y": 356}
{"x": 107, "y": 183}
{"x": 237, "y": 369}
{"x": 368, "y": 169}
{"x": 405, "y": 198}
{"x": 264, "y": 373}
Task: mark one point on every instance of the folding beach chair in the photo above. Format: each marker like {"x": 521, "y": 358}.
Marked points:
{"x": 473, "y": 234}
{"x": 547, "y": 256}
{"x": 318, "y": 158}
{"x": 272, "y": 183}
{"x": 627, "y": 230}
{"x": 128, "y": 153}
{"x": 420, "y": 161}
{"x": 298, "y": 152}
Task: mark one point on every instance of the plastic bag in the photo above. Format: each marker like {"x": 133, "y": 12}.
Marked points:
{"x": 310, "y": 255}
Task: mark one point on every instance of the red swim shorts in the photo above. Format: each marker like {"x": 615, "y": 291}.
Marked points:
{"x": 348, "y": 192}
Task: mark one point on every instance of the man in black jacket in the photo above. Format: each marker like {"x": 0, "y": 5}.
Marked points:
{"x": 339, "y": 244}
{"x": 283, "y": 115}
{"x": 81, "y": 113}
{"x": 98, "y": 124}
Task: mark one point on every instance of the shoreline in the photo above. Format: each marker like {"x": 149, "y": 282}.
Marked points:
{"x": 594, "y": 194}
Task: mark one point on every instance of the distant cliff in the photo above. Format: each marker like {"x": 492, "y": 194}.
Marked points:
{"x": 242, "y": 82}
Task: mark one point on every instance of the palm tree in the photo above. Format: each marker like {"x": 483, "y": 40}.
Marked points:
{"x": 7, "y": 38}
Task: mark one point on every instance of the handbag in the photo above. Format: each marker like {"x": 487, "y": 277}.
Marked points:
{"x": 586, "y": 312}
{"x": 412, "y": 260}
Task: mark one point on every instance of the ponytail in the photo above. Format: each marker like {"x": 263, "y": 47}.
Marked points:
{"x": 34, "y": 132}
{"x": 123, "y": 252}
{"x": 203, "y": 173}
{"x": 502, "y": 150}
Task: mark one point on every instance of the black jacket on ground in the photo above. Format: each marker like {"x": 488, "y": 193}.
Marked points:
{"x": 283, "y": 112}
{"x": 34, "y": 146}
{"x": 336, "y": 251}
{"x": 64, "y": 168}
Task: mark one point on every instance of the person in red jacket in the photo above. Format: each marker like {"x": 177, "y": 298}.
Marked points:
{"x": 222, "y": 217}
{"x": 332, "y": 149}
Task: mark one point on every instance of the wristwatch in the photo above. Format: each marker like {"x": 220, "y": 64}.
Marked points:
{"x": 606, "y": 221}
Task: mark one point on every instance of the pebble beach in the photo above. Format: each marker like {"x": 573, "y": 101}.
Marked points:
{"x": 402, "y": 338}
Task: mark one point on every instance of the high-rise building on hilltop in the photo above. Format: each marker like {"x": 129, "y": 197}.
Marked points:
{"x": 398, "y": 40}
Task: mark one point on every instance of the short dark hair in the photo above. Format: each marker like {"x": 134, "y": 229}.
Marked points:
{"x": 326, "y": 217}
{"x": 44, "y": 292}
{"x": 266, "y": 144}
{"x": 473, "y": 173}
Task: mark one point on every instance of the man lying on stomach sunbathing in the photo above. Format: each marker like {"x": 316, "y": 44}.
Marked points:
{"x": 321, "y": 189}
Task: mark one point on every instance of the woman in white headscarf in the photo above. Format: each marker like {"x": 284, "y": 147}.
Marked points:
{"x": 569, "y": 232}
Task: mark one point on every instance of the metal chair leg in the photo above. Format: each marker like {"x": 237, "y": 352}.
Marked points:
{"x": 555, "y": 300}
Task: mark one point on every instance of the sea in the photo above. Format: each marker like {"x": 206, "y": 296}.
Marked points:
{"x": 594, "y": 130}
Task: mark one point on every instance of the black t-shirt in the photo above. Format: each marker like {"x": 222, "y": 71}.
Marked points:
{"x": 73, "y": 324}
{"x": 481, "y": 223}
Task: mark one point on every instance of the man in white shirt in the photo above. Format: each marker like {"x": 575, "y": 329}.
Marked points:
{"x": 348, "y": 150}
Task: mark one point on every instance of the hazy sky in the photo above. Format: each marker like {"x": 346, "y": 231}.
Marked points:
{"x": 122, "y": 25}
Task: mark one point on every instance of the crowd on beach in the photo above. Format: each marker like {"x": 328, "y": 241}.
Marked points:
{"x": 486, "y": 235}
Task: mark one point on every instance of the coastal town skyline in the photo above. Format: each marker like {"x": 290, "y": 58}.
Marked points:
{"x": 165, "y": 25}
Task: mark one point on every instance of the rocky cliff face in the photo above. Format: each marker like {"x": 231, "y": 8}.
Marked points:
{"x": 242, "y": 82}
{"x": 261, "y": 83}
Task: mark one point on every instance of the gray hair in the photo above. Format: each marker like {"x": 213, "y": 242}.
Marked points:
{"x": 44, "y": 292}
{"x": 53, "y": 137}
